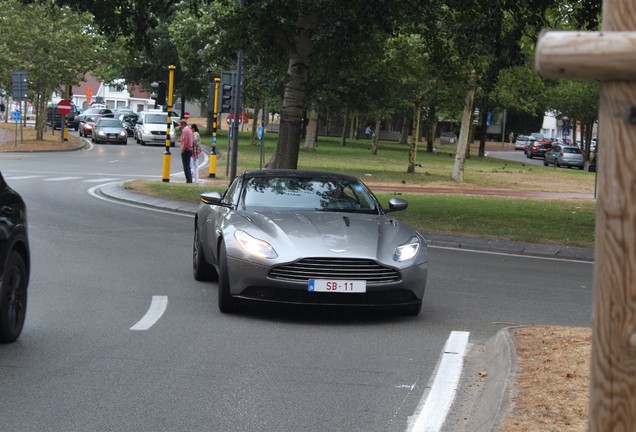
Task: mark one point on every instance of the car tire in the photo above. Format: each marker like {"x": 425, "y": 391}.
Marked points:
{"x": 411, "y": 310}
{"x": 545, "y": 162}
{"x": 530, "y": 155}
{"x": 227, "y": 304}
{"x": 13, "y": 298}
{"x": 557, "y": 164}
{"x": 201, "y": 269}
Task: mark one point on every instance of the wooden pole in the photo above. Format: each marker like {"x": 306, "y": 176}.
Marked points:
{"x": 609, "y": 56}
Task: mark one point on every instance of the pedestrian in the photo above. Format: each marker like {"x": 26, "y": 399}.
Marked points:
{"x": 3, "y": 108}
{"x": 186, "y": 141}
{"x": 368, "y": 132}
{"x": 196, "y": 151}
{"x": 512, "y": 137}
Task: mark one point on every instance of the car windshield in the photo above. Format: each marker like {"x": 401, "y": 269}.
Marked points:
{"x": 156, "y": 118}
{"x": 109, "y": 122}
{"x": 307, "y": 193}
{"x": 572, "y": 150}
{"x": 91, "y": 118}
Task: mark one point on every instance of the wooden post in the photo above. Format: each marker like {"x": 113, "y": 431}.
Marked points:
{"x": 609, "y": 56}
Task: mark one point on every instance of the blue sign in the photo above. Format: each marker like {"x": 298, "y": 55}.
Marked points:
{"x": 17, "y": 115}
{"x": 259, "y": 131}
{"x": 214, "y": 139}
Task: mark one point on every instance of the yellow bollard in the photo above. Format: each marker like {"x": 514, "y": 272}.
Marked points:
{"x": 165, "y": 173}
{"x": 212, "y": 172}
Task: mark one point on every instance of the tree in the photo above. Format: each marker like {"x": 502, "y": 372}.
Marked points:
{"x": 41, "y": 47}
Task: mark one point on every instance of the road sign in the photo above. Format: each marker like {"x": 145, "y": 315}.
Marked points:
{"x": 259, "y": 131}
{"x": 20, "y": 85}
{"x": 64, "y": 107}
{"x": 17, "y": 115}
{"x": 186, "y": 115}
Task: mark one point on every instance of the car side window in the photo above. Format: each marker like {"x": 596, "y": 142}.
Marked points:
{"x": 230, "y": 197}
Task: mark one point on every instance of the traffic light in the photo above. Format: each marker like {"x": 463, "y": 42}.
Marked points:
{"x": 226, "y": 89}
{"x": 159, "y": 92}
{"x": 154, "y": 92}
{"x": 163, "y": 90}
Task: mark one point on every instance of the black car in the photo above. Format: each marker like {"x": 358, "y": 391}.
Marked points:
{"x": 55, "y": 120}
{"x": 15, "y": 263}
{"x": 129, "y": 120}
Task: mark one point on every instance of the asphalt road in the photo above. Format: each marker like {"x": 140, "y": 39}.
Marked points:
{"x": 98, "y": 266}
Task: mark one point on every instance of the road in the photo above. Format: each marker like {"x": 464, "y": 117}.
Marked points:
{"x": 98, "y": 267}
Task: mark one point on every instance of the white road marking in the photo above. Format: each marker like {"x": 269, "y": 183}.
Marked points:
{"x": 23, "y": 177}
{"x": 61, "y": 178}
{"x": 440, "y": 398}
{"x": 100, "y": 180}
{"x": 155, "y": 311}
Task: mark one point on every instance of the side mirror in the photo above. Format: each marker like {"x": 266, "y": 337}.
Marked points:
{"x": 397, "y": 204}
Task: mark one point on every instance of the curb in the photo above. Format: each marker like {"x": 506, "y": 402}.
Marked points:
{"x": 486, "y": 389}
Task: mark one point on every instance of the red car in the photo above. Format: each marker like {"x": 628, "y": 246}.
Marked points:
{"x": 86, "y": 125}
{"x": 538, "y": 145}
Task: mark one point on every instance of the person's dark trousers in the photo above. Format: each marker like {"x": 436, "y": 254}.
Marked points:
{"x": 186, "y": 157}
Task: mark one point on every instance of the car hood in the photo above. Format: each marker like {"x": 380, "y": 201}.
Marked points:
{"x": 111, "y": 129}
{"x": 327, "y": 234}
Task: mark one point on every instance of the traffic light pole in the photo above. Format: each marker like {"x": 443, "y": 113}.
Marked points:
{"x": 165, "y": 174}
{"x": 215, "y": 119}
{"x": 237, "y": 112}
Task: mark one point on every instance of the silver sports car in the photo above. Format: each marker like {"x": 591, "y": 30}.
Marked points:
{"x": 307, "y": 237}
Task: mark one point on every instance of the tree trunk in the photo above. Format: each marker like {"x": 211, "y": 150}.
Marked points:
{"x": 343, "y": 134}
{"x": 458, "y": 169}
{"x": 432, "y": 127}
{"x": 417, "y": 113}
{"x": 404, "y": 136}
{"x": 312, "y": 129}
{"x": 376, "y": 137}
{"x": 286, "y": 153}
{"x": 484, "y": 128}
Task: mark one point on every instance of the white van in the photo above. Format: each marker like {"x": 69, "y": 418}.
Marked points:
{"x": 151, "y": 128}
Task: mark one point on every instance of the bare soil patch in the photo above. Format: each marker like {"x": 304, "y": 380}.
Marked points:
{"x": 551, "y": 391}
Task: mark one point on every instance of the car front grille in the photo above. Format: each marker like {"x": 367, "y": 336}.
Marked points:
{"x": 332, "y": 268}
{"x": 160, "y": 133}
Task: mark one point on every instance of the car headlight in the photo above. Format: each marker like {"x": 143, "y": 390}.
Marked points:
{"x": 101, "y": 133}
{"x": 123, "y": 133}
{"x": 407, "y": 250}
{"x": 254, "y": 246}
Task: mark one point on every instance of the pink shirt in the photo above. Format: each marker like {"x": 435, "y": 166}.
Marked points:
{"x": 186, "y": 139}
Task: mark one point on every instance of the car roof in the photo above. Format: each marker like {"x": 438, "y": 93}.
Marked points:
{"x": 297, "y": 173}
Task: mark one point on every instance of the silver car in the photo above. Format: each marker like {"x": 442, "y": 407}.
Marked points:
{"x": 307, "y": 237}
{"x": 109, "y": 130}
{"x": 562, "y": 155}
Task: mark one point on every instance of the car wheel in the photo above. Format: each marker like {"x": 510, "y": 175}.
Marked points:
{"x": 226, "y": 303}
{"x": 411, "y": 310}
{"x": 557, "y": 164}
{"x": 201, "y": 269}
{"x": 545, "y": 162}
{"x": 13, "y": 298}
{"x": 530, "y": 155}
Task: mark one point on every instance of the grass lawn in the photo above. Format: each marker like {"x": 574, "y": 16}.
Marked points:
{"x": 563, "y": 222}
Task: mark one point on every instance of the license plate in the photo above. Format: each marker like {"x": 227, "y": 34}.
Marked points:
{"x": 337, "y": 285}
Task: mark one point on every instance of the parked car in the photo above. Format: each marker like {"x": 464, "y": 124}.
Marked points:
{"x": 307, "y": 237}
{"x": 447, "y": 138}
{"x": 109, "y": 130}
{"x": 521, "y": 142}
{"x": 129, "y": 120}
{"x": 538, "y": 145}
{"x": 151, "y": 128}
{"x": 55, "y": 120}
{"x": 15, "y": 262}
{"x": 86, "y": 125}
{"x": 562, "y": 155}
